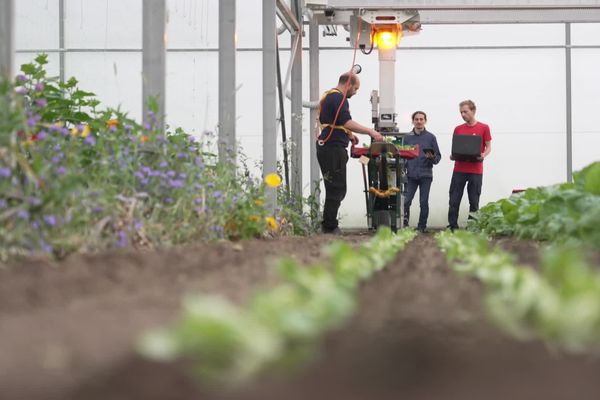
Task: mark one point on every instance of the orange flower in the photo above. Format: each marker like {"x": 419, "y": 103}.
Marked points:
{"x": 112, "y": 123}
{"x": 144, "y": 138}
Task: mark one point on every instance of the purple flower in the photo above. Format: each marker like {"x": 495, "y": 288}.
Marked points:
{"x": 127, "y": 127}
{"x": 35, "y": 225}
{"x": 147, "y": 126}
{"x": 39, "y": 87}
{"x": 183, "y": 175}
{"x": 42, "y": 135}
{"x": 181, "y": 156}
{"x": 2, "y": 204}
{"x": 139, "y": 175}
{"x": 198, "y": 200}
{"x": 41, "y": 102}
{"x": 23, "y": 214}
{"x": 46, "y": 247}
{"x": 21, "y": 90}
{"x": 163, "y": 164}
{"x": 32, "y": 121}
{"x": 90, "y": 140}
{"x": 210, "y": 185}
{"x": 122, "y": 239}
{"x": 98, "y": 209}
{"x": 217, "y": 194}
{"x": 57, "y": 158}
{"x": 138, "y": 225}
{"x": 50, "y": 220}
{"x": 176, "y": 183}
{"x": 22, "y": 78}
{"x": 34, "y": 201}
{"x": 5, "y": 172}
{"x": 61, "y": 170}
{"x": 168, "y": 200}
{"x": 171, "y": 173}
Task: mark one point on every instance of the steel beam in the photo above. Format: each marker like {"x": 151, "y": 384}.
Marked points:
{"x": 61, "y": 40}
{"x": 315, "y": 172}
{"x": 227, "y": 70}
{"x": 6, "y": 38}
{"x": 296, "y": 117}
{"x": 569, "y": 112}
{"x": 154, "y": 14}
{"x": 269, "y": 106}
{"x": 287, "y": 16}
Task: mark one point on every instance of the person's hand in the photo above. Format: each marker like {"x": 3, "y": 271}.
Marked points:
{"x": 429, "y": 156}
{"x": 481, "y": 157}
{"x": 378, "y": 137}
{"x": 354, "y": 140}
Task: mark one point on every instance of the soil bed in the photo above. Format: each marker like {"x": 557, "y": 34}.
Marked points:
{"x": 420, "y": 331}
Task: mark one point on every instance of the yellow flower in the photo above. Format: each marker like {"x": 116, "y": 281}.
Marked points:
{"x": 272, "y": 223}
{"x": 254, "y": 218}
{"x": 259, "y": 202}
{"x": 273, "y": 180}
{"x": 28, "y": 142}
{"x": 74, "y": 131}
{"x": 86, "y": 131}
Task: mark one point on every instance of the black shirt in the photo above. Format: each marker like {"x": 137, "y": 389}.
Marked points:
{"x": 328, "y": 110}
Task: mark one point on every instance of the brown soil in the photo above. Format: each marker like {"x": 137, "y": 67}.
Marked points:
{"x": 420, "y": 331}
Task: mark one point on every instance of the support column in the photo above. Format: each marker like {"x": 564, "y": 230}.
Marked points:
{"x": 227, "y": 113}
{"x": 569, "y": 102}
{"x": 61, "y": 40}
{"x": 269, "y": 106}
{"x": 297, "y": 105}
{"x": 154, "y": 58}
{"x": 6, "y": 38}
{"x": 315, "y": 172}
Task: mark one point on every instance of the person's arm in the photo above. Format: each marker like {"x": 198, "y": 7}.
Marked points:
{"x": 438, "y": 155}
{"x": 358, "y": 128}
{"x": 488, "y": 150}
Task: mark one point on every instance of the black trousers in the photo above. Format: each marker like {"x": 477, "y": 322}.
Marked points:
{"x": 457, "y": 187}
{"x": 332, "y": 160}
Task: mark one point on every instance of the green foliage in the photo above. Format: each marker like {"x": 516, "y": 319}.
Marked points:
{"x": 560, "y": 305}
{"x": 78, "y": 177}
{"x": 565, "y": 212}
{"x": 281, "y": 326}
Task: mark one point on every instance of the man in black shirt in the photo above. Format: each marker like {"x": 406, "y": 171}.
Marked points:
{"x": 336, "y": 132}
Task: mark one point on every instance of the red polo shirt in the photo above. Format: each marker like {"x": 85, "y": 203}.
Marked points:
{"x": 480, "y": 129}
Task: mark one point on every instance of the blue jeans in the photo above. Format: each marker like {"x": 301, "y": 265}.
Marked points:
{"x": 423, "y": 184}
{"x": 457, "y": 187}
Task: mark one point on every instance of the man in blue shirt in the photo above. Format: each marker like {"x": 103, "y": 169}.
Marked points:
{"x": 420, "y": 169}
{"x": 336, "y": 132}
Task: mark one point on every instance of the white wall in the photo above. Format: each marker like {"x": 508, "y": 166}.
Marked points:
{"x": 520, "y": 93}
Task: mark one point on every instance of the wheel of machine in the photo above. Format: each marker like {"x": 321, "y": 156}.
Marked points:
{"x": 381, "y": 218}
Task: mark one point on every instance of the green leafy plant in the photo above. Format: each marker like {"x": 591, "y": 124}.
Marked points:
{"x": 281, "y": 326}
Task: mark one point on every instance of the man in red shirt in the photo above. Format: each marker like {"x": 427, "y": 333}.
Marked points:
{"x": 468, "y": 173}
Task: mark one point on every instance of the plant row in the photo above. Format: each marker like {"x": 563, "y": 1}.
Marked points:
{"x": 280, "y": 327}
{"x": 559, "y": 304}
{"x": 75, "y": 176}
{"x": 567, "y": 212}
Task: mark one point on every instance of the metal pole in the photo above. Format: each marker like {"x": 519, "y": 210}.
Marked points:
{"x": 6, "y": 38}
{"x": 154, "y": 14}
{"x": 297, "y": 107}
{"x": 569, "y": 103}
{"x": 269, "y": 76}
{"x": 286, "y": 164}
{"x": 315, "y": 176}
{"x": 227, "y": 145}
{"x": 61, "y": 40}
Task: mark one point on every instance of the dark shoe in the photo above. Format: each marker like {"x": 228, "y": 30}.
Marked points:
{"x": 452, "y": 228}
{"x": 422, "y": 230}
{"x": 335, "y": 231}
